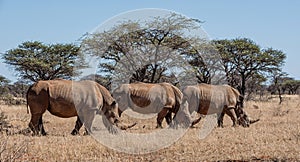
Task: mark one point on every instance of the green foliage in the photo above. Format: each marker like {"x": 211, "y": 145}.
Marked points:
{"x": 12, "y": 94}
{"x": 3, "y": 80}
{"x": 242, "y": 59}
{"x": 154, "y": 38}
{"x": 3, "y": 85}
{"x": 36, "y": 61}
{"x": 291, "y": 85}
{"x": 255, "y": 85}
{"x": 18, "y": 89}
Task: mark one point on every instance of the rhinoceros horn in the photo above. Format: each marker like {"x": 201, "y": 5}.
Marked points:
{"x": 121, "y": 125}
{"x": 124, "y": 126}
{"x": 254, "y": 121}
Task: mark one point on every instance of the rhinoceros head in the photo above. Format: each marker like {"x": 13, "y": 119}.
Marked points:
{"x": 112, "y": 115}
{"x": 242, "y": 117}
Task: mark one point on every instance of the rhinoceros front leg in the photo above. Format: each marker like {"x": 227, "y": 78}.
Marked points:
{"x": 88, "y": 121}
{"x": 120, "y": 112}
{"x": 78, "y": 125}
{"x": 168, "y": 117}
{"x": 220, "y": 119}
{"x": 196, "y": 121}
{"x": 232, "y": 115}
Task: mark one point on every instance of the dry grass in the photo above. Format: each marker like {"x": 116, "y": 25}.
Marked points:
{"x": 275, "y": 137}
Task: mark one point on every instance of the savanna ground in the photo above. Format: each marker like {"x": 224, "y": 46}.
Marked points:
{"x": 276, "y": 137}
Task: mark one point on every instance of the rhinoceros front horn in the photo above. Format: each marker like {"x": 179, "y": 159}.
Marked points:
{"x": 254, "y": 121}
{"x": 124, "y": 126}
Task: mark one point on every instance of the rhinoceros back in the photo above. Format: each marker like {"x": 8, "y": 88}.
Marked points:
{"x": 81, "y": 94}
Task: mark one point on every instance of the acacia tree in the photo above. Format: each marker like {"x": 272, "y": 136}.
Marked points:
{"x": 36, "y": 61}
{"x": 291, "y": 85}
{"x": 242, "y": 58}
{"x": 18, "y": 89}
{"x": 278, "y": 78}
{"x": 146, "y": 49}
{"x": 206, "y": 61}
{"x": 255, "y": 85}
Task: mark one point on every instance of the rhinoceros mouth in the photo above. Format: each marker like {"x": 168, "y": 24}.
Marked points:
{"x": 243, "y": 121}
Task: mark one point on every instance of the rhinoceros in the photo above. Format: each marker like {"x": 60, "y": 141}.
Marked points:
{"x": 208, "y": 99}
{"x": 65, "y": 98}
{"x": 146, "y": 98}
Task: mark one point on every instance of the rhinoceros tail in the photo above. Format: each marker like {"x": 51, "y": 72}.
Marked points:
{"x": 27, "y": 104}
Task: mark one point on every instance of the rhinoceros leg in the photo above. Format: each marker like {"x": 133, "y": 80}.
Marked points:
{"x": 196, "y": 121}
{"x": 41, "y": 126}
{"x": 161, "y": 115}
{"x": 232, "y": 115}
{"x": 78, "y": 125}
{"x": 220, "y": 119}
{"x": 120, "y": 112}
{"x": 88, "y": 121}
{"x": 36, "y": 124}
{"x": 168, "y": 117}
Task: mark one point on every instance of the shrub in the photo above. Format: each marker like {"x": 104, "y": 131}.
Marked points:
{"x": 4, "y": 125}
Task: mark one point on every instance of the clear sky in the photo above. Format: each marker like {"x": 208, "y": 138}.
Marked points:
{"x": 270, "y": 23}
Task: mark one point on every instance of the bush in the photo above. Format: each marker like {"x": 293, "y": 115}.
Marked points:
{"x": 4, "y": 125}
{"x": 11, "y": 100}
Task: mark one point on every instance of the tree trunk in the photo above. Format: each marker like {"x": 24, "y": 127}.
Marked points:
{"x": 279, "y": 95}
{"x": 154, "y": 73}
{"x": 243, "y": 89}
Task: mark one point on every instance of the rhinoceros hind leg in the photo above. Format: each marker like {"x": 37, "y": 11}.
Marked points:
{"x": 168, "y": 117}
{"x": 220, "y": 120}
{"x": 78, "y": 125}
{"x": 161, "y": 115}
{"x": 36, "y": 124}
{"x": 41, "y": 127}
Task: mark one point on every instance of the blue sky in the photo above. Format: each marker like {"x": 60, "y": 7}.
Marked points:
{"x": 270, "y": 23}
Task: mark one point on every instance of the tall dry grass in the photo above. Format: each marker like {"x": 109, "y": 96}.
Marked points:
{"x": 275, "y": 137}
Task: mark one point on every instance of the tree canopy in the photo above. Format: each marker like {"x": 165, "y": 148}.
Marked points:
{"x": 241, "y": 62}
{"x": 147, "y": 49}
{"x": 35, "y": 61}
{"x": 242, "y": 59}
{"x": 157, "y": 50}
{"x": 291, "y": 86}
{"x": 3, "y": 80}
